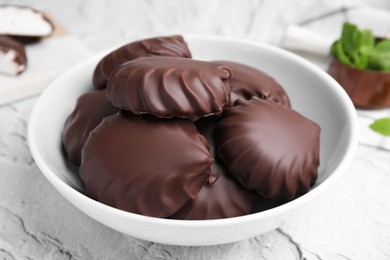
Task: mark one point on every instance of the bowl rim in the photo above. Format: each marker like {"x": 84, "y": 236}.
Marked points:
{"x": 270, "y": 213}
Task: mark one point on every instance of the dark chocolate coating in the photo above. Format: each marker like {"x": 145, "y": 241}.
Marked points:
{"x": 270, "y": 148}
{"x": 367, "y": 88}
{"x": 7, "y": 44}
{"x": 170, "y": 87}
{"x": 145, "y": 165}
{"x": 174, "y": 46}
{"x": 89, "y": 111}
{"x": 224, "y": 196}
{"x": 247, "y": 82}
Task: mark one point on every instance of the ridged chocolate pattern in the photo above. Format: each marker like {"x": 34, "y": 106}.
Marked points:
{"x": 170, "y": 87}
{"x": 174, "y": 46}
{"x": 225, "y": 197}
{"x": 247, "y": 82}
{"x": 269, "y": 148}
{"x": 89, "y": 111}
{"x": 145, "y": 165}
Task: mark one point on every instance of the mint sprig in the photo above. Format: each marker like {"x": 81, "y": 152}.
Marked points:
{"x": 380, "y": 59}
{"x": 357, "y": 48}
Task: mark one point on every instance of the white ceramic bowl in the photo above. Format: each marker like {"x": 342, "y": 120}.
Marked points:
{"x": 312, "y": 92}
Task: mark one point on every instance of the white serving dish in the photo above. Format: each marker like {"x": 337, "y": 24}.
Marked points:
{"x": 312, "y": 92}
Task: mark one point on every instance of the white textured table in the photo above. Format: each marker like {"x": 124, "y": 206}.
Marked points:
{"x": 353, "y": 222}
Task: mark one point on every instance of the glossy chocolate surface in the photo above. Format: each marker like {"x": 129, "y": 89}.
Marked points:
{"x": 170, "y": 87}
{"x": 89, "y": 111}
{"x": 193, "y": 140}
{"x": 223, "y": 196}
{"x": 174, "y": 46}
{"x": 366, "y": 88}
{"x": 270, "y": 148}
{"x": 145, "y": 165}
{"x": 247, "y": 82}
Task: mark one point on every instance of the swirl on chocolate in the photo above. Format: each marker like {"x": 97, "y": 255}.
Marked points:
{"x": 90, "y": 109}
{"x": 222, "y": 196}
{"x": 270, "y": 148}
{"x": 173, "y": 46}
{"x": 247, "y": 82}
{"x": 170, "y": 87}
{"x": 145, "y": 165}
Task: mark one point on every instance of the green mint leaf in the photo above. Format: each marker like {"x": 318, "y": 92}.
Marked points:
{"x": 354, "y": 45}
{"x": 379, "y": 58}
{"x": 366, "y": 39}
{"x": 349, "y": 39}
{"x": 365, "y": 45}
{"x": 361, "y": 63}
{"x": 337, "y": 51}
{"x": 382, "y": 126}
{"x": 383, "y": 46}
{"x": 357, "y": 48}
{"x": 379, "y": 62}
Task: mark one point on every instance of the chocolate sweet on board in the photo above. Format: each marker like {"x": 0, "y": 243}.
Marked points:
{"x": 174, "y": 46}
{"x": 247, "y": 82}
{"x": 223, "y": 196}
{"x": 13, "y": 59}
{"x": 145, "y": 165}
{"x": 170, "y": 87}
{"x": 269, "y": 148}
{"x": 89, "y": 111}
{"x": 19, "y": 25}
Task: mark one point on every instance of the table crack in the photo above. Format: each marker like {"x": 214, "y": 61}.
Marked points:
{"x": 293, "y": 242}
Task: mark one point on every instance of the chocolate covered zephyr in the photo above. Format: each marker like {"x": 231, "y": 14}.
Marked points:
{"x": 145, "y": 165}
{"x": 174, "y": 46}
{"x": 270, "y": 148}
{"x": 170, "y": 87}
{"x": 13, "y": 59}
{"x": 222, "y": 196}
{"x": 247, "y": 82}
{"x": 24, "y": 21}
{"x": 192, "y": 140}
{"x": 89, "y": 111}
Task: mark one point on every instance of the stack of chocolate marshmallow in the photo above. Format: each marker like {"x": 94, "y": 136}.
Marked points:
{"x": 166, "y": 135}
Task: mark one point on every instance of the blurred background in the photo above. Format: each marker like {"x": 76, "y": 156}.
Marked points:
{"x": 37, "y": 223}
{"x": 101, "y": 24}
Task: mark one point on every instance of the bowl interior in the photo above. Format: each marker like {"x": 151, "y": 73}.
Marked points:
{"x": 312, "y": 93}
